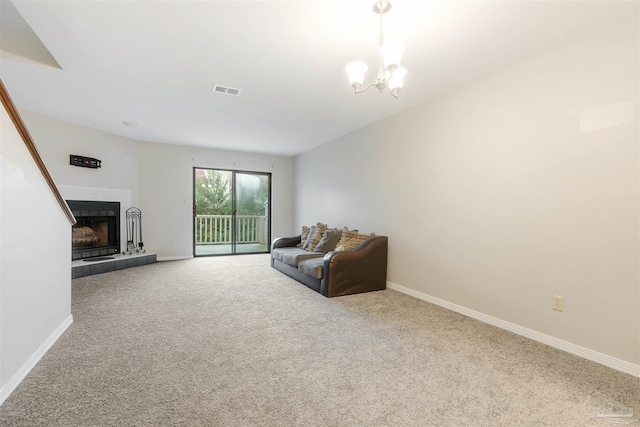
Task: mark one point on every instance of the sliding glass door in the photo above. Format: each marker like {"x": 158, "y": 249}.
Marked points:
{"x": 252, "y": 212}
{"x": 231, "y": 212}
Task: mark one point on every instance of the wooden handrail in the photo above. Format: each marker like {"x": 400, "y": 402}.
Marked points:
{"x": 31, "y": 146}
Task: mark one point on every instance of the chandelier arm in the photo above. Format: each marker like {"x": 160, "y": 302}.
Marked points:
{"x": 395, "y": 95}
{"x": 357, "y": 91}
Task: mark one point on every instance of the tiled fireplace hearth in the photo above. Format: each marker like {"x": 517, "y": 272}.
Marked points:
{"x": 91, "y": 266}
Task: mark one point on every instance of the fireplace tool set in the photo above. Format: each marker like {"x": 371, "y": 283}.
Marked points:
{"x": 134, "y": 231}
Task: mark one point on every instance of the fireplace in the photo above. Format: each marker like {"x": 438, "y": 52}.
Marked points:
{"x": 97, "y": 229}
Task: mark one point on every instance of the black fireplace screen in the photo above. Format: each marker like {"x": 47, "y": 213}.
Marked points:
{"x": 97, "y": 229}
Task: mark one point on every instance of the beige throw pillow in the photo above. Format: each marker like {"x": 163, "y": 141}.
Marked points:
{"x": 351, "y": 239}
{"x": 345, "y": 233}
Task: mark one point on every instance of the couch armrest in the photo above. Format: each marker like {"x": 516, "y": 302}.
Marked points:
{"x": 362, "y": 269}
{"x": 285, "y": 242}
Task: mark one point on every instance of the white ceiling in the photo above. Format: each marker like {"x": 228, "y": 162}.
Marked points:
{"x": 155, "y": 62}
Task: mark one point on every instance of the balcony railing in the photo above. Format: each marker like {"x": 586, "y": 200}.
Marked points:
{"x": 216, "y": 229}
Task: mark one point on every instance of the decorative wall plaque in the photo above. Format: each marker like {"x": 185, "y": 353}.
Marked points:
{"x": 85, "y": 162}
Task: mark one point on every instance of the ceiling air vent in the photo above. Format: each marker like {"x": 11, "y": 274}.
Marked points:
{"x": 226, "y": 90}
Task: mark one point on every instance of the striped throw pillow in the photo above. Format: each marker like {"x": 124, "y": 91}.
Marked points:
{"x": 351, "y": 239}
{"x": 317, "y": 236}
{"x": 312, "y": 230}
{"x": 303, "y": 235}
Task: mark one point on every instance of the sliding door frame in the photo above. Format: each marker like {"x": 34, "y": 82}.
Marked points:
{"x": 233, "y": 210}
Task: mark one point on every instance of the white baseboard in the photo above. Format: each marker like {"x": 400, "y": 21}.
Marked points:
{"x": 173, "y": 258}
{"x": 15, "y": 381}
{"x": 585, "y": 353}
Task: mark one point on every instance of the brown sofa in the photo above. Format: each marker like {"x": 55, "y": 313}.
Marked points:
{"x": 335, "y": 273}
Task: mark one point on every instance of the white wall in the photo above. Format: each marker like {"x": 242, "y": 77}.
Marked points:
{"x": 35, "y": 273}
{"x": 507, "y": 191}
{"x": 166, "y": 185}
{"x": 57, "y": 139}
{"x": 158, "y": 177}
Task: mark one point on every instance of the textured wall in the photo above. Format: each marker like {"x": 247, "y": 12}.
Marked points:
{"x": 57, "y": 139}
{"x": 157, "y": 178}
{"x": 166, "y": 185}
{"x": 511, "y": 189}
{"x": 35, "y": 251}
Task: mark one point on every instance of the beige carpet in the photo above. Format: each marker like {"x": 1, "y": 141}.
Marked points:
{"x": 229, "y": 341}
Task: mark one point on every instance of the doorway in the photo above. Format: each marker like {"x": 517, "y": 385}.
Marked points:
{"x": 231, "y": 212}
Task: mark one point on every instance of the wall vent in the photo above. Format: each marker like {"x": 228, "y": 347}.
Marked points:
{"x": 226, "y": 90}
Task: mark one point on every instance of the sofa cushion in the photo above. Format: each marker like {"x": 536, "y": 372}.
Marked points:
{"x": 316, "y": 237}
{"x": 304, "y": 235}
{"x": 351, "y": 239}
{"x": 278, "y": 253}
{"x": 330, "y": 239}
{"x": 312, "y": 230}
{"x": 311, "y": 267}
{"x": 293, "y": 258}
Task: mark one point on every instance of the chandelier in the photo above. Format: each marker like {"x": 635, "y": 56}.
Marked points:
{"x": 390, "y": 73}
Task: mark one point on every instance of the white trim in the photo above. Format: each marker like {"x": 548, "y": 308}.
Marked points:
{"x": 15, "y": 381}
{"x": 173, "y": 258}
{"x": 585, "y": 353}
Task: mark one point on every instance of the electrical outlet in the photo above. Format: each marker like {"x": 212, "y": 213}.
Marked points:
{"x": 557, "y": 303}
